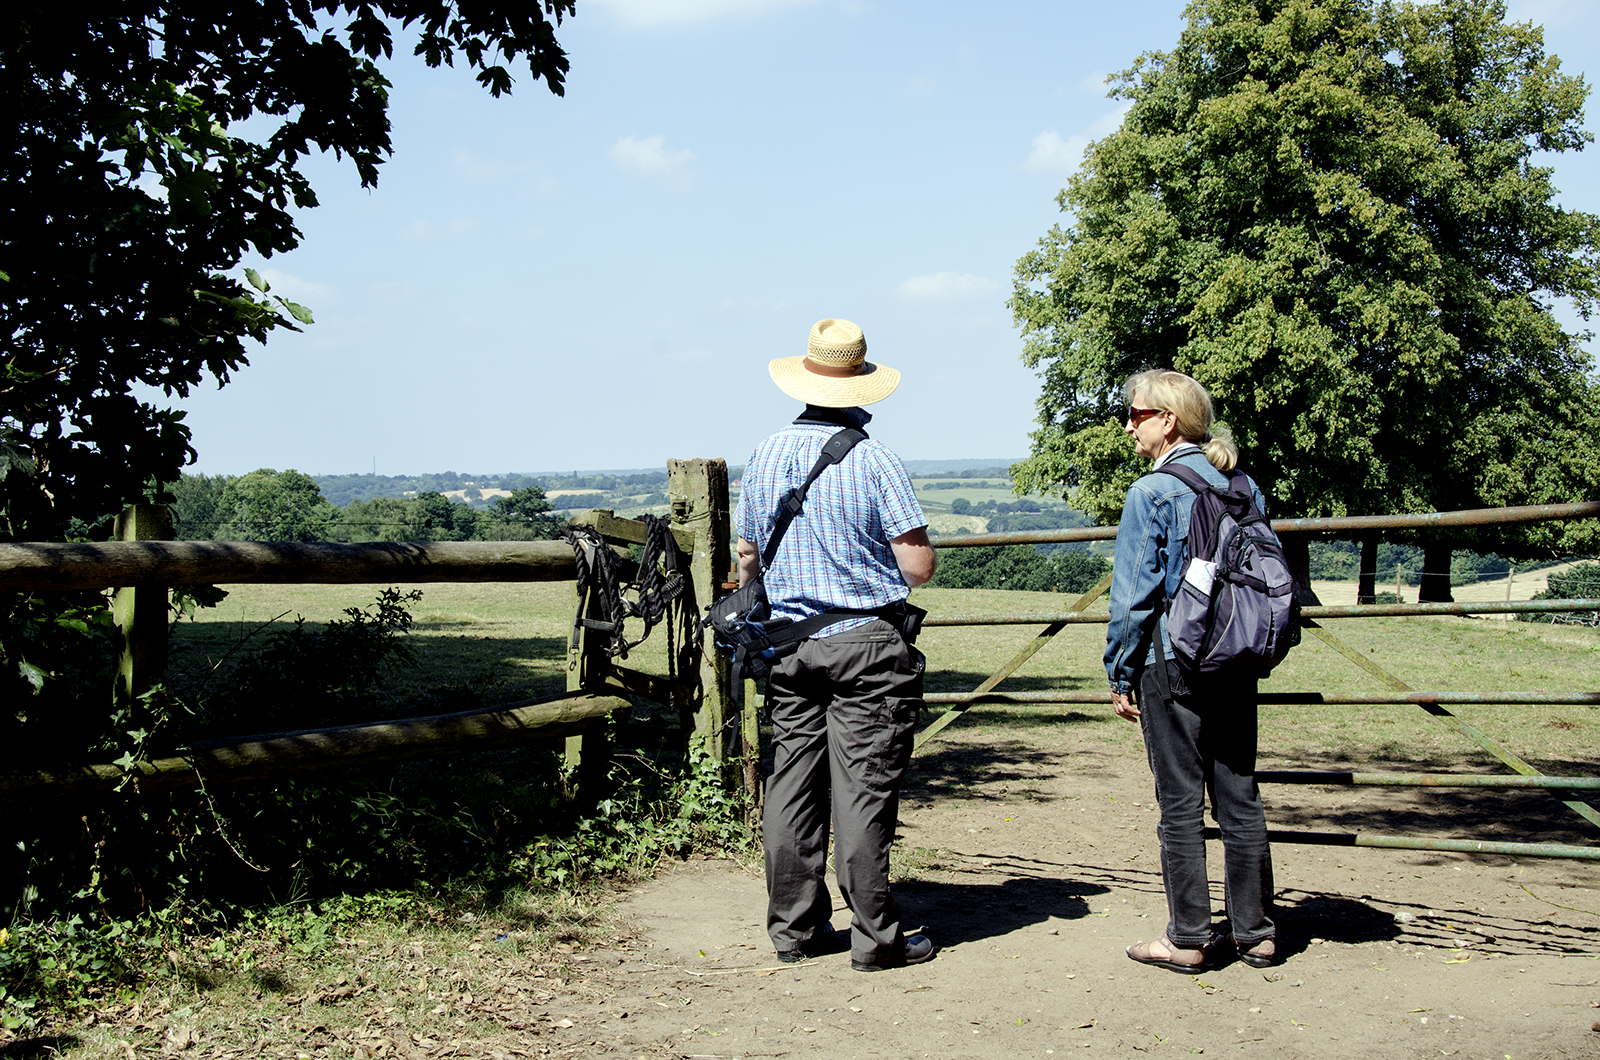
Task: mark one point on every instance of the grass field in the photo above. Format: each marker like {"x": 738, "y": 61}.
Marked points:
{"x": 500, "y": 642}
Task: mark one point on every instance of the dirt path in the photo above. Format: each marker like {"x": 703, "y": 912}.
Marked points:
{"x": 1031, "y": 858}
{"x": 1033, "y": 885}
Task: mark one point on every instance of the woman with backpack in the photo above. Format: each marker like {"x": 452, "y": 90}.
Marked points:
{"x": 1199, "y": 728}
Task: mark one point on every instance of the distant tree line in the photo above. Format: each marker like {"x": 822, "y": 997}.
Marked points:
{"x": 341, "y": 490}
{"x": 1019, "y": 567}
{"x": 1341, "y": 561}
{"x": 1025, "y": 514}
{"x": 979, "y": 484}
{"x": 269, "y": 505}
{"x": 982, "y": 472}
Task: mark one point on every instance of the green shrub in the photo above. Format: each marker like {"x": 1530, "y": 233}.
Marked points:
{"x": 1019, "y": 567}
{"x": 1578, "y": 582}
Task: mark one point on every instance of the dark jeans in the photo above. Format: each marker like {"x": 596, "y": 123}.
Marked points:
{"x": 844, "y": 709}
{"x": 1203, "y": 738}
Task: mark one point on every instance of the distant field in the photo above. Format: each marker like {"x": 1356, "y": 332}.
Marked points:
{"x": 509, "y": 641}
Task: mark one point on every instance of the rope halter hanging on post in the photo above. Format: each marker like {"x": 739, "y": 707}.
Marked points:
{"x": 658, "y": 583}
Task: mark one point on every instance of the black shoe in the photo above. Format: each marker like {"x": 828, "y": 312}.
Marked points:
{"x": 917, "y": 949}
{"x": 823, "y": 942}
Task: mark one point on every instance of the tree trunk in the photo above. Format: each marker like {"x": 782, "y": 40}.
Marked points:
{"x": 1367, "y": 578}
{"x": 1435, "y": 587}
{"x": 1297, "y": 550}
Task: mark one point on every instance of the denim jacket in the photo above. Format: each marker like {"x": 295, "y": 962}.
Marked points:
{"x": 1148, "y": 566}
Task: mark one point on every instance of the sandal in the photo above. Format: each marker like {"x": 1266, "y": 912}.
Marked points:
{"x": 1145, "y": 953}
{"x": 1262, "y": 953}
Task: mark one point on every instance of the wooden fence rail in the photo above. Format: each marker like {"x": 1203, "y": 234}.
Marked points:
{"x": 53, "y": 567}
{"x": 246, "y": 759}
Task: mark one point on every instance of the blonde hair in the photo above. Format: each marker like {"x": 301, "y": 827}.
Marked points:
{"x": 1190, "y": 405}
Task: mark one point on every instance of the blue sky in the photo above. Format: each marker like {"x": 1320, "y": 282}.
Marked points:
{"x": 598, "y": 281}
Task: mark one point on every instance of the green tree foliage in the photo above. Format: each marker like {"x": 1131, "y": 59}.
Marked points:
{"x": 131, "y": 194}
{"x": 526, "y": 510}
{"x": 1018, "y": 567}
{"x": 1578, "y": 582}
{"x": 1330, "y": 212}
{"x": 381, "y": 519}
{"x": 270, "y": 505}
{"x": 197, "y": 506}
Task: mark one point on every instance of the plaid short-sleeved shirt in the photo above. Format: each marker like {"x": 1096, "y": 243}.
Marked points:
{"x": 836, "y": 552}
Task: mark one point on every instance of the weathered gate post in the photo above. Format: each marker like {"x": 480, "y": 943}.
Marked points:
{"x": 588, "y": 753}
{"x": 140, "y": 611}
{"x": 698, "y": 490}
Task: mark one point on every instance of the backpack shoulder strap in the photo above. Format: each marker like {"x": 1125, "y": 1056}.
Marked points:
{"x": 834, "y": 451}
{"x": 1187, "y": 475}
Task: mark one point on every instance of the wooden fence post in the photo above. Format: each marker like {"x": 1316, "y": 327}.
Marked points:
{"x": 140, "y": 611}
{"x": 698, "y": 490}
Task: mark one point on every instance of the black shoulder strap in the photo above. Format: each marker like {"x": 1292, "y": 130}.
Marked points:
{"x": 833, "y": 451}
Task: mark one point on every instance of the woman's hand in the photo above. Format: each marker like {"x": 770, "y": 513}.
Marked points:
{"x": 1124, "y": 706}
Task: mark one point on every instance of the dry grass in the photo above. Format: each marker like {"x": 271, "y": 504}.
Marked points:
{"x": 509, "y": 640}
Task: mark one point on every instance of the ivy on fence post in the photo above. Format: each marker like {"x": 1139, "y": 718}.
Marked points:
{"x": 140, "y": 611}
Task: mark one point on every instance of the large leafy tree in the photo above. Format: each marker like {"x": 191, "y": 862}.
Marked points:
{"x": 130, "y": 195}
{"x": 1332, "y": 214}
{"x": 270, "y": 505}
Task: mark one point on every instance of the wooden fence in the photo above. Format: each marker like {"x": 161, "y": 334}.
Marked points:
{"x": 143, "y": 566}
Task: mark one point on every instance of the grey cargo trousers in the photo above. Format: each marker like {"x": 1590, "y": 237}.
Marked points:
{"x": 844, "y": 710}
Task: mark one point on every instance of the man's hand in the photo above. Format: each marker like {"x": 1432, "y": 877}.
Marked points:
{"x": 749, "y": 562}
{"x": 915, "y": 556}
{"x": 1124, "y": 706}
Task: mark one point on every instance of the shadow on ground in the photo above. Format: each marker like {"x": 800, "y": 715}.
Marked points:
{"x": 48, "y": 1045}
{"x": 971, "y": 912}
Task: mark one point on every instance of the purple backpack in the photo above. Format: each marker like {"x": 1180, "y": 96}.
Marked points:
{"x": 1235, "y": 610}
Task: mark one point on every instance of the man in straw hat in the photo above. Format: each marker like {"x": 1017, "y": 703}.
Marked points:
{"x": 845, "y": 702}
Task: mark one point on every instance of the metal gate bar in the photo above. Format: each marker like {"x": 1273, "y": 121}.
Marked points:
{"x": 1400, "y": 842}
{"x": 939, "y": 724}
{"x": 1073, "y": 617}
{"x": 1560, "y": 699}
{"x": 1427, "y": 780}
{"x": 1431, "y": 702}
{"x": 1483, "y": 740}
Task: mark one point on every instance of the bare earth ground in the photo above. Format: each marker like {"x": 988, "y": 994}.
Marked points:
{"x": 1035, "y": 883}
{"x": 1032, "y": 882}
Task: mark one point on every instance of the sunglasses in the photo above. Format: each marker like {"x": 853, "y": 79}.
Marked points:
{"x": 1137, "y": 415}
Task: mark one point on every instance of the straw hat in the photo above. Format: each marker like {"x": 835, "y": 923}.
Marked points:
{"x": 835, "y": 372}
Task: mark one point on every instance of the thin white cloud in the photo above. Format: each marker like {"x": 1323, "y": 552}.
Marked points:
{"x": 648, "y": 156}
{"x": 1053, "y": 154}
{"x": 946, "y": 287}
{"x": 645, "y": 14}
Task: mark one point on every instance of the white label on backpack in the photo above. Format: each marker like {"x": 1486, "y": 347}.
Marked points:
{"x": 1201, "y": 574}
